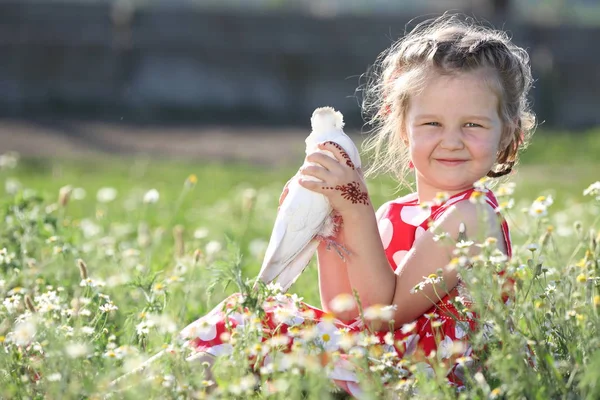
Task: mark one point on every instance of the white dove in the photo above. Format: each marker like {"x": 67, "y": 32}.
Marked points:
{"x": 305, "y": 216}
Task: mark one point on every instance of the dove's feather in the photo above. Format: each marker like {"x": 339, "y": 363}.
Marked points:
{"x": 300, "y": 219}
{"x": 304, "y": 214}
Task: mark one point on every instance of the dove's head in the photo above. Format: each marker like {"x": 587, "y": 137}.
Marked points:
{"x": 326, "y": 124}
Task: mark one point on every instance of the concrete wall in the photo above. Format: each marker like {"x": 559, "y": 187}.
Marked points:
{"x": 181, "y": 64}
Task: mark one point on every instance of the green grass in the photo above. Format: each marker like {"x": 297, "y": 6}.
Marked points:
{"x": 47, "y": 239}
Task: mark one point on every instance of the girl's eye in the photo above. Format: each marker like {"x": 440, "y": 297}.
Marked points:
{"x": 432, "y": 123}
{"x": 472, "y": 125}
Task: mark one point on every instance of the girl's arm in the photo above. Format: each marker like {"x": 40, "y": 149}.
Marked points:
{"x": 333, "y": 272}
{"x": 427, "y": 256}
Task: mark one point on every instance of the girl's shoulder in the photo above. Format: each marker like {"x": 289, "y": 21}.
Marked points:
{"x": 436, "y": 209}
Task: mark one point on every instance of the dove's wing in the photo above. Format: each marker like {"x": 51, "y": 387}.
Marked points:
{"x": 301, "y": 217}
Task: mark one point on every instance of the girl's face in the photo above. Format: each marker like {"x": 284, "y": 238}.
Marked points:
{"x": 453, "y": 132}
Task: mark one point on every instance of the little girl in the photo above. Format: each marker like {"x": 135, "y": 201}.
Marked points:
{"x": 450, "y": 107}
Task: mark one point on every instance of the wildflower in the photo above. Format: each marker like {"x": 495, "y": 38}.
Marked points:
{"x": 68, "y": 330}
{"x": 379, "y": 312}
{"x": 89, "y": 282}
{"x": 532, "y": 247}
{"x": 346, "y": 340}
{"x": 159, "y": 288}
{"x": 248, "y": 198}
{"x": 482, "y": 184}
{"x": 539, "y": 208}
{"x": 64, "y": 193}
{"x": 498, "y": 257}
{"x": 366, "y": 340}
{"x": 55, "y": 377}
{"x": 342, "y": 302}
{"x": 78, "y": 194}
{"x": 87, "y": 330}
{"x": 506, "y": 189}
{"x": 441, "y": 198}
{"x": 425, "y": 206}
{"x": 9, "y": 160}
{"x": 279, "y": 340}
{"x": 489, "y": 243}
{"x": 110, "y": 354}
{"x": 431, "y": 315}
{"x": 6, "y": 258}
{"x": 465, "y": 360}
{"x": 84, "y": 313}
{"x": 151, "y": 196}
{"x": 464, "y": 244}
{"x": 200, "y": 233}
{"x": 593, "y": 190}
{"x": 212, "y": 248}
{"x": 76, "y": 350}
{"x": 12, "y": 303}
{"x": 389, "y": 338}
{"x": 24, "y": 332}
{"x": 441, "y": 236}
{"x": 12, "y": 186}
{"x": 477, "y": 197}
{"x": 494, "y": 394}
{"x": 108, "y": 307}
{"x": 191, "y": 181}
{"x": 597, "y": 300}
{"x": 106, "y": 194}
{"x": 505, "y": 205}
{"x": 406, "y": 328}
{"x": 581, "y": 278}
{"x": 288, "y": 315}
{"x": 143, "y": 328}
{"x": 570, "y": 314}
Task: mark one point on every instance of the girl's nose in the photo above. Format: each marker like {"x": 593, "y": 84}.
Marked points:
{"x": 452, "y": 140}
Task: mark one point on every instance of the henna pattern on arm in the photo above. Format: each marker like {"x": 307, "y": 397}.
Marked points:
{"x": 344, "y": 154}
{"x": 352, "y": 192}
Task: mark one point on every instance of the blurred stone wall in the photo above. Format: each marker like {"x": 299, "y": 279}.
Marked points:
{"x": 181, "y": 64}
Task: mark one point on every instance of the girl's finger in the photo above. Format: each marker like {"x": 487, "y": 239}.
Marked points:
{"x": 338, "y": 151}
{"x": 318, "y": 172}
{"x": 283, "y": 194}
{"x": 311, "y": 185}
{"x": 323, "y": 160}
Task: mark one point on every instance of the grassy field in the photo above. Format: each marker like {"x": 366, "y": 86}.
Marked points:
{"x": 157, "y": 256}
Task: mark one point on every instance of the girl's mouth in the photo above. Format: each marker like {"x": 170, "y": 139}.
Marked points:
{"x": 450, "y": 162}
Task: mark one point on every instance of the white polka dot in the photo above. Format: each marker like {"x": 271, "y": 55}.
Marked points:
{"x": 415, "y": 215}
{"x": 386, "y": 230}
{"x": 399, "y": 256}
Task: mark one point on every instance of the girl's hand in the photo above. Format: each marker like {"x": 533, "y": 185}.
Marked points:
{"x": 284, "y": 192}
{"x": 341, "y": 182}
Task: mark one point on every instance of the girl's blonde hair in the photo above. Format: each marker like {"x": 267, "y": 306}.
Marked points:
{"x": 448, "y": 45}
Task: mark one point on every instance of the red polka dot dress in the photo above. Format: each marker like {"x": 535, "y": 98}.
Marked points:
{"x": 287, "y": 319}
